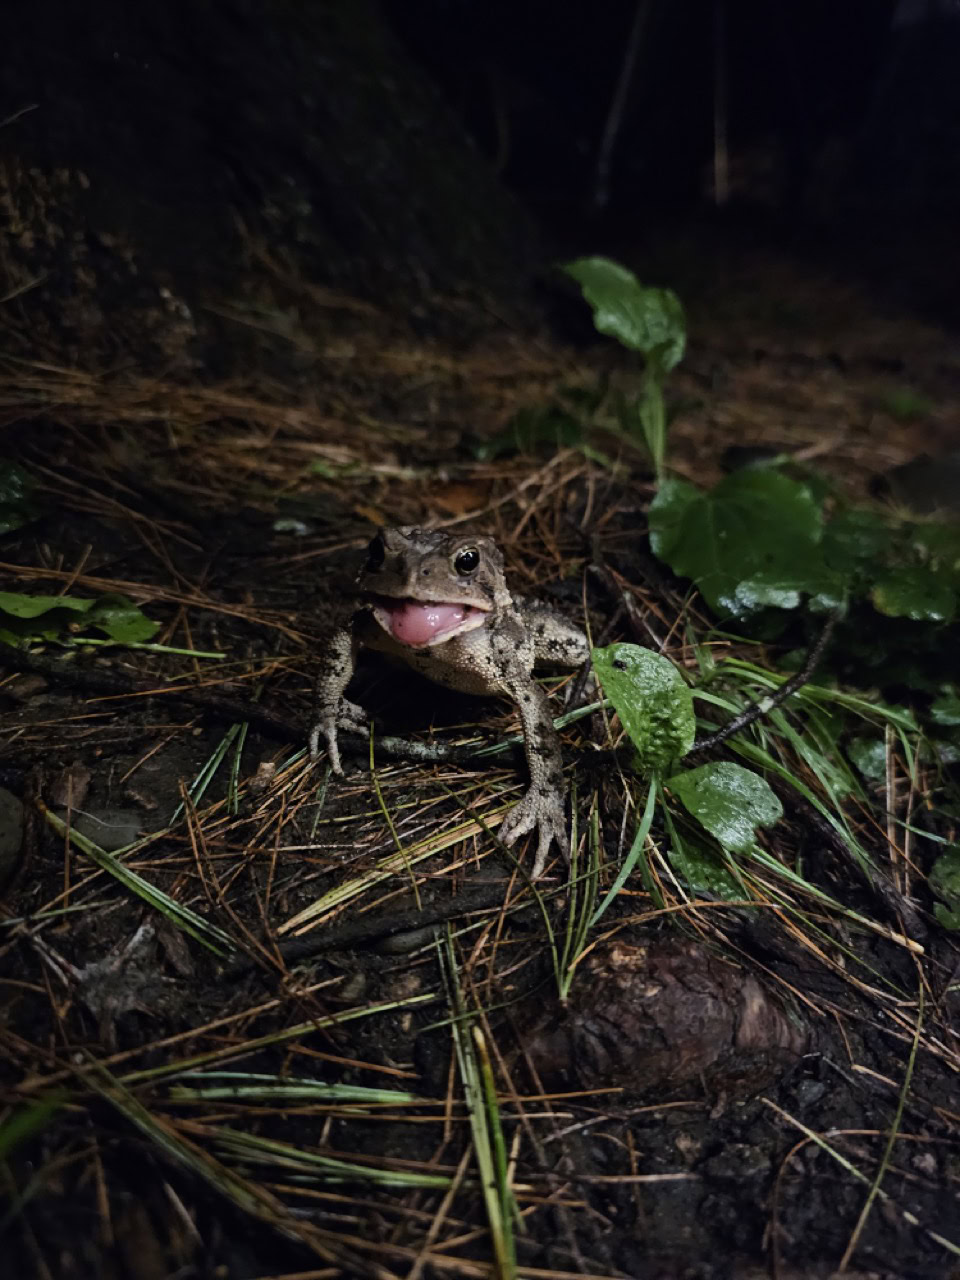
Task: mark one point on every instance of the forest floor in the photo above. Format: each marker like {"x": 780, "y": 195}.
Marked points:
{"x": 229, "y": 1050}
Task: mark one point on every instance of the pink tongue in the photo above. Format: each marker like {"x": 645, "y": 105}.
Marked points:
{"x": 415, "y": 624}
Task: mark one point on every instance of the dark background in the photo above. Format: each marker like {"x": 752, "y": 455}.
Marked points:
{"x": 407, "y": 148}
{"x": 870, "y": 84}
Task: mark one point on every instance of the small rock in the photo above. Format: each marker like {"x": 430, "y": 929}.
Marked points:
{"x": 809, "y": 1093}
{"x": 22, "y": 688}
{"x": 111, "y": 829}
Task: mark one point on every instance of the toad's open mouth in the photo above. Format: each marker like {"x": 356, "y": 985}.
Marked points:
{"x": 421, "y": 623}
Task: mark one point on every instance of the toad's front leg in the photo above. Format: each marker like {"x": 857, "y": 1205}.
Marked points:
{"x": 332, "y": 708}
{"x": 542, "y": 805}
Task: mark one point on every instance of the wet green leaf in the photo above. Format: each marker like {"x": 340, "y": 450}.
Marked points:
{"x": 870, "y": 757}
{"x": 909, "y": 570}
{"x": 752, "y": 542}
{"x": 917, "y": 592}
{"x": 944, "y": 878}
{"x": 23, "y": 606}
{"x": 948, "y": 919}
{"x": 644, "y": 319}
{"x": 857, "y": 540}
{"x": 49, "y": 617}
{"x": 122, "y": 621}
{"x": 653, "y": 701}
{"x": 728, "y": 801}
{"x": 940, "y": 543}
{"x": 945, "y": 710}
{"x": 16, "y": 503}
{"x": 701, "y": 868}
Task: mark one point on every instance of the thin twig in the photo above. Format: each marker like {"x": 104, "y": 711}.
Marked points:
{"x": 764, "y": 706}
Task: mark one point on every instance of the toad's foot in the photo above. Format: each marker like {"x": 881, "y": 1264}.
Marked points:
{"x": 347, "y": 716}
{"x": 543, "y": 809}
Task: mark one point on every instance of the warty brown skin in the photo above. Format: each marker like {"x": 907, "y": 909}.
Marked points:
{"x": 493, "y": 651}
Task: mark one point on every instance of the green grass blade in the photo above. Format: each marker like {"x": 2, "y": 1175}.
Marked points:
{"x": 195, "y": 925}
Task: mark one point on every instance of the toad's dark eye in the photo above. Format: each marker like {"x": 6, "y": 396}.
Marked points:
{"x": 376, "y": 553}
{"x": 466, "y": 560}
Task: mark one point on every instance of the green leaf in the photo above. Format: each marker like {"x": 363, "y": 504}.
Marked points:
{"x": 948, "y": 919}
{"x": 870, "y": 757}
{"x": 122, "y": 621}
{"x": 944, "y": 878}
{"x": 21, "y": 606}
{"x": 728, "y": 801}
{"x": 945, "y": 710}
{"x": 916, "y": 592}
{"x": 16, "y": 485}
{"x": 27, "y": 1120}
{"x": 653, "y": 422}
{"x": 910, "y": 570}
{"x": 700, "y": 868}
{"x": 751, "y": 542}
{"x": 530, "y": 430}
{"x": 857, "y": 541}
{"x": 940, "y": 542}
{"x": 653, "y": 701}
{"x": 644, "y": 319}
{"x": 50, "y": 617}
{"x": 16, "y": 505}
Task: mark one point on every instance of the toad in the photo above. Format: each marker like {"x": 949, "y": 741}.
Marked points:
{"x": 440, "y": 603}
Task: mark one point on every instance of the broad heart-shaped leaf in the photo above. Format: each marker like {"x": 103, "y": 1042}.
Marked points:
{"x": 857, "y": 541}
{"x": 729, "y": 801}
{"x": 643, "y": 319}
{"x": 752, "y": 541}
{"x": 910, "y": 570}
{"x": 653, "y": 701}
